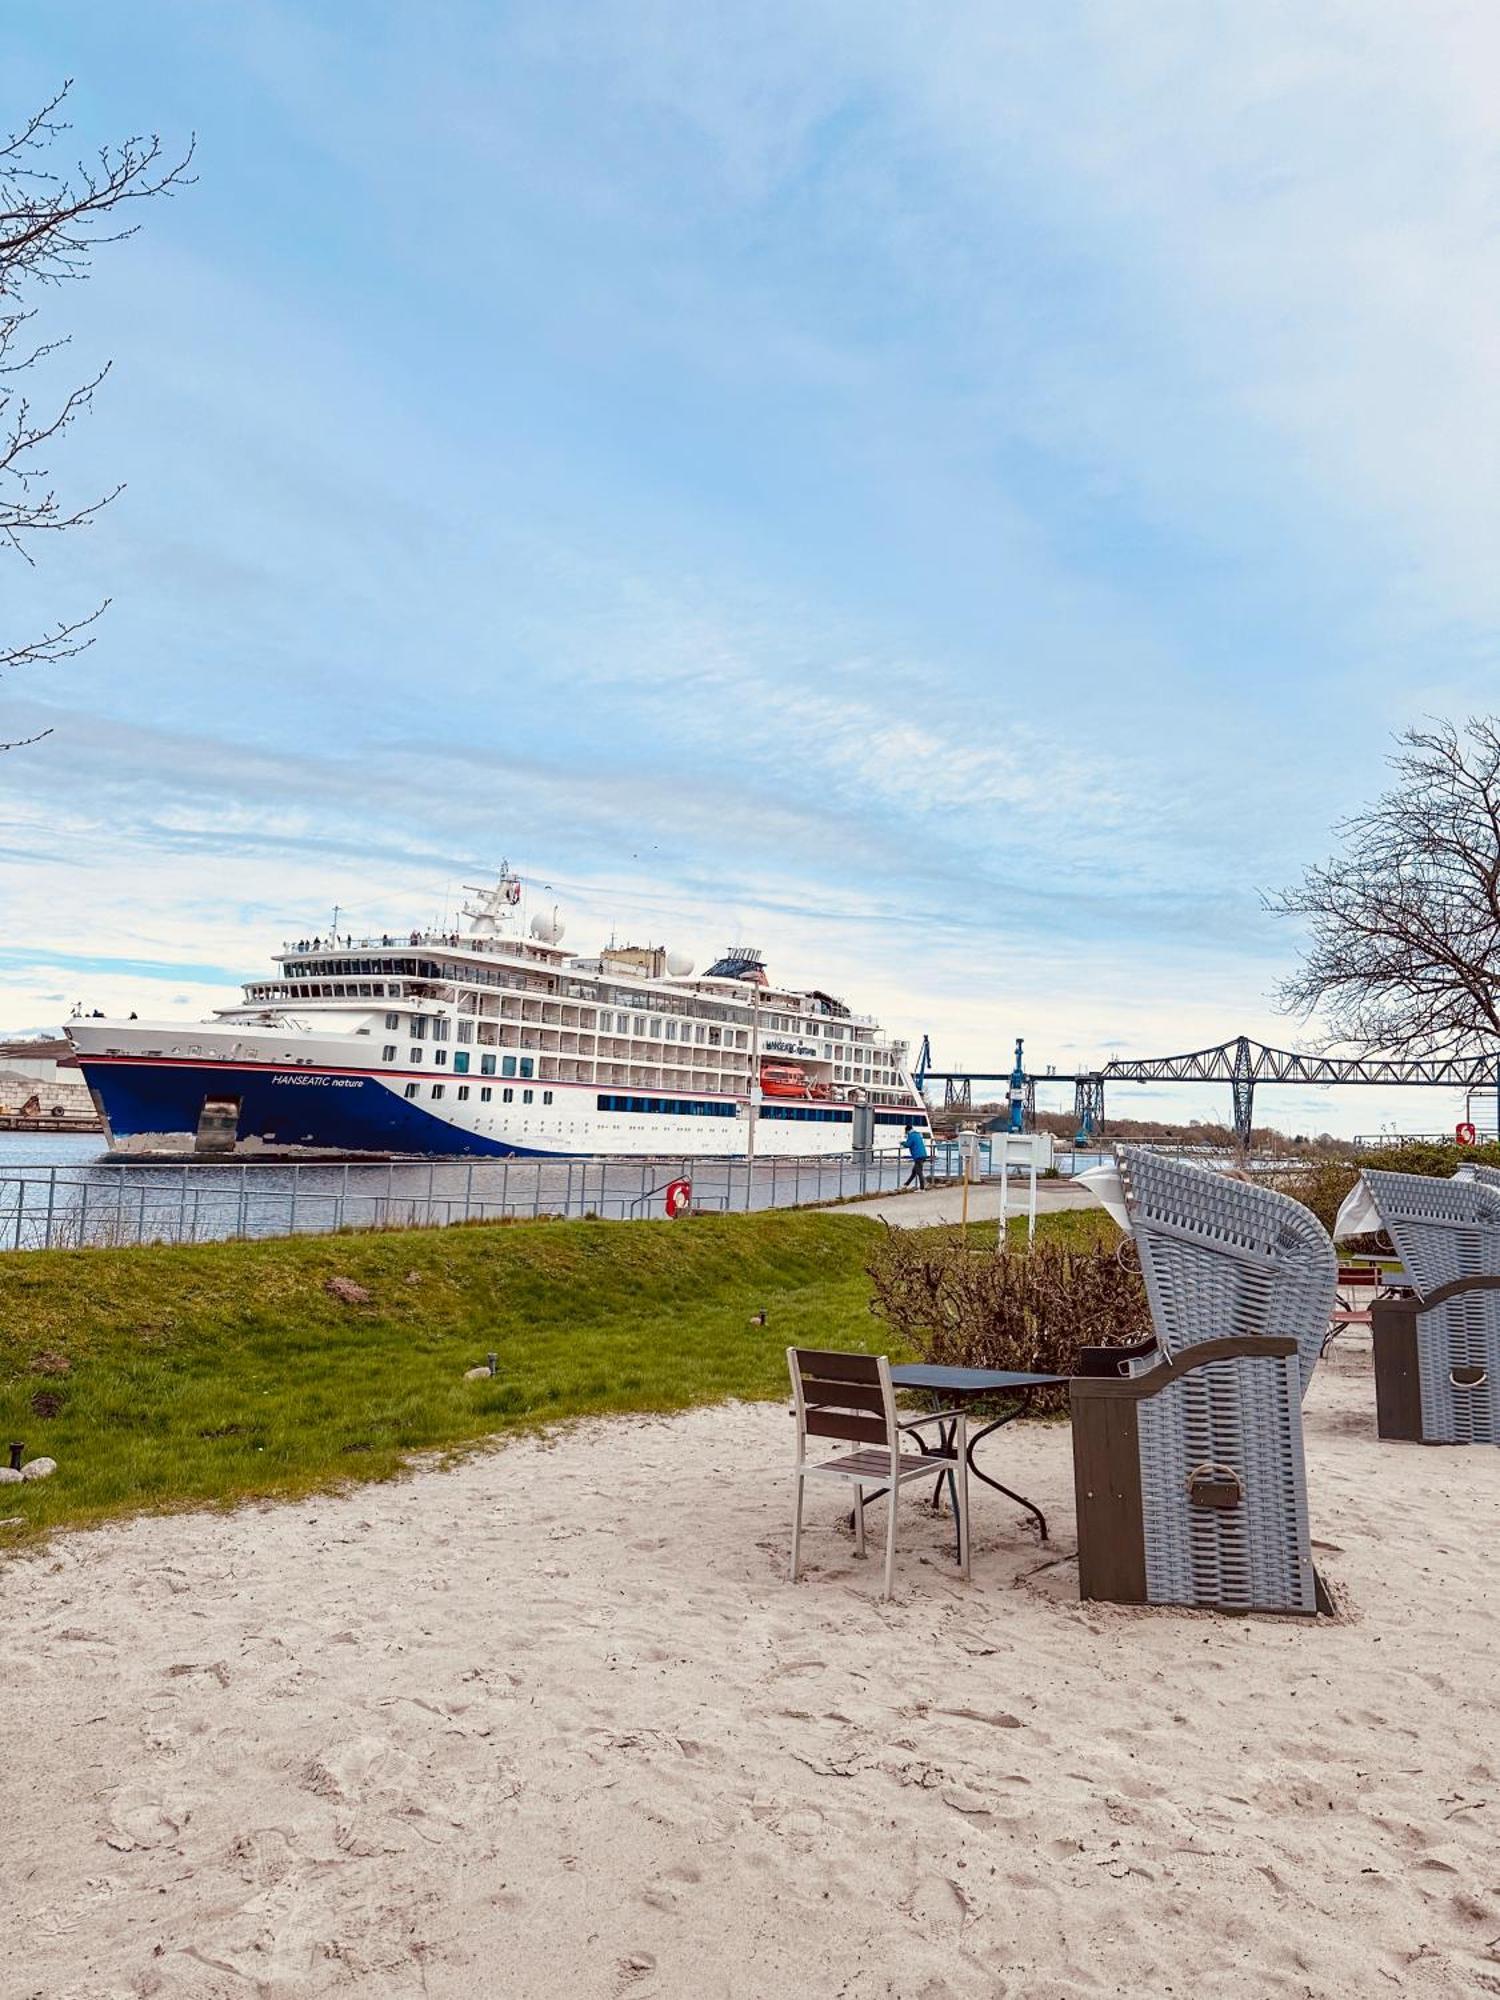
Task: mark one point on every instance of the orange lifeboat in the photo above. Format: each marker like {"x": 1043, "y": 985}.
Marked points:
{"x": 783, "y": 1079}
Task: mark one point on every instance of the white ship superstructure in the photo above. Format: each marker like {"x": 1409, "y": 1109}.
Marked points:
{"x": 496, "y": 1040}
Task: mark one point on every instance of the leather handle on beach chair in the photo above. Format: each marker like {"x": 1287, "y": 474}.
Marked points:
{"x": 1216, "y": 1486}
{"x": 1468, "y": 1377}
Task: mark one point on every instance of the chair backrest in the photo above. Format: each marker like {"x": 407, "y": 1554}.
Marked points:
{"x": 1442, "y": 1230}
{"x": 846, "y": 1396}
{"x": 1225, "y": 1259}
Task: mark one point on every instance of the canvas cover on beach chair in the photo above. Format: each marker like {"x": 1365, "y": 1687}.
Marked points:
{"x": 1437, "y": 1352}
{"x": 1189, "y": 1472}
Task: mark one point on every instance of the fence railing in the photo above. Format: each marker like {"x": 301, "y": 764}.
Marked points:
{"x": 64, "y": 1207}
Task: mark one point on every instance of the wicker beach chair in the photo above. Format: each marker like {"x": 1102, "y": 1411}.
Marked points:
{"x": 1189, "y": 1472}
{"x": 1437, "y": 1352}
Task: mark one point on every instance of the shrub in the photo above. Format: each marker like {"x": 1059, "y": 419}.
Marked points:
{"x": 1033, "y": 1310}
{"x": 1322, "y": 1186}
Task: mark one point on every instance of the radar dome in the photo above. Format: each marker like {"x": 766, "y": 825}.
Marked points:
{"x": 679, "y": 964}
{"x": 545, "y": 929}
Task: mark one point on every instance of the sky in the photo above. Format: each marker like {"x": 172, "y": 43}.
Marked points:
{"x": 960, "y": 497}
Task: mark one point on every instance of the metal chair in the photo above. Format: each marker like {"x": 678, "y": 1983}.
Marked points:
{"x": 1437, "y": 1352}
{"x": 1189, "y": 1471}
{"x": 849, "y": 1397}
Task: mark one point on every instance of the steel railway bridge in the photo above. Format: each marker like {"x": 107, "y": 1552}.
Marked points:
{"x": 1241, "y": 1063}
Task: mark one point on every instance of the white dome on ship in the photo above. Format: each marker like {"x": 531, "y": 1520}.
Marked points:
{"x": 545, "y": 929}
{"x": 679, "y": 964}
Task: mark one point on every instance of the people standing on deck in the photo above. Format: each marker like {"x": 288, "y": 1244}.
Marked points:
{"x": 916, "y": 1145}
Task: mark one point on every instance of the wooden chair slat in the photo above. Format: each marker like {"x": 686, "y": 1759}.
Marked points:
{"x": 827, "y": 1365}
{"x": 843, "y": 1395}
{"x": 844, "y": 1424}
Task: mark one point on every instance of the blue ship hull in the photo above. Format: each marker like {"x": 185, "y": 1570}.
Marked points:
{"x": 291, "y": 1109}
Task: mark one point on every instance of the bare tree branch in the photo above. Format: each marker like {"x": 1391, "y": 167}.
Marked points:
{"x": 1404, "y": 926}
{"x": 50, "y": 225}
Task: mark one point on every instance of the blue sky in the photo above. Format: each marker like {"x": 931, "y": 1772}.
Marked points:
{"x": 962, "y": 497}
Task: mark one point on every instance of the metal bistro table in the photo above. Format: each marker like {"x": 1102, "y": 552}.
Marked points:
{"x": 948, "y": 1386}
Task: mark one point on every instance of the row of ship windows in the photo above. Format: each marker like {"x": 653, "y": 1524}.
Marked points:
{"x": 681, "y": 1107}
{"x": 509, "y": 1065}
{"x": 686, "y": 1107}
{"x": 486, "y": 1093}
{"x": 807, "y": 1113}
{"x": 658, "y": 1028}
{"x": 523, "y": 1065}
{"x": 691, "y": 1030}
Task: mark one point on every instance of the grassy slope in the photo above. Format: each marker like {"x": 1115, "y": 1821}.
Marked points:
{"x": 226, "y": 1371}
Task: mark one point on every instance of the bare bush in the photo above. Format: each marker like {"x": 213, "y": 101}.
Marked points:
{"x": 1030, "y": 1310}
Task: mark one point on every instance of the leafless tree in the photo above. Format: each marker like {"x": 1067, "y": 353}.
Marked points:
{"x": 50, "y": 225}
{"x": 1404, "y": 926}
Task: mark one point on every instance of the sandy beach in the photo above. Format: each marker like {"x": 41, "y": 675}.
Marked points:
{"x": 551, "y": 1721}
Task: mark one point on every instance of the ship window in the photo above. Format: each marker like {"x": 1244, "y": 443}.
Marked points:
{"x": 507, "y": 1096}
{"x": 507, "y": 1065}
{"x": 485, "y": 1094}
{"x": 546, "y": 1097}
{"x": 416, "y": 1055}
{"x": 466, "y": 1031}
{"x": 463, "y": 1090}
{"x": 412, "y": 1089}
{"x": 640, "y": 1025}
{"x": 622, "y": 1024}
{"x": 528, "y": 1067}
{"x": 393, "y": 1020}
{"x": 388, "y": 1053}
{"x": 527, "y": 1095}
{"x": 671, "y": 1031}
{"x": 419, "y": 1027}
{"x": 440, "y": 1028}
{"x": 715, "y": 1037}
{"x": 440, "y": 1055}
{"x": 460, "y": 1059}
{"x": 486, "y": 1065}
{"x": 437, "y": 1090}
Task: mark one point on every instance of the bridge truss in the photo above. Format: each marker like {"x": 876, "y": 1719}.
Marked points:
{"x": 1242, "y": 1064}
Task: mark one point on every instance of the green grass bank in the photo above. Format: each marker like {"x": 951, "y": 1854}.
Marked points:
{"x": 228, "y": 1371}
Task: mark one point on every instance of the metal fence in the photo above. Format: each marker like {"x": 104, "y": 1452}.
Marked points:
{"x": 119, "y": 1203}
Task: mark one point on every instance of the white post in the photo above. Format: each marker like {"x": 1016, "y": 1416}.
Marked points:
{"x": 1027, "y": 1144}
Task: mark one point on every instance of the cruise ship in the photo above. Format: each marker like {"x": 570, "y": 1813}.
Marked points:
{"x": 494, "y": 1040}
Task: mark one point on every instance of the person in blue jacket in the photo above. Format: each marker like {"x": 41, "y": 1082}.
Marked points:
{"x": 916, "y": 1145}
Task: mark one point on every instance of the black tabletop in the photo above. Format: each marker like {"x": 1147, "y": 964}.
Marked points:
{"x": 966, "y": 1381}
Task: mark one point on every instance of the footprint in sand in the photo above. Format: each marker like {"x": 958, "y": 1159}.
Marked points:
{"x": 936, "y": 1905}
{"x": 141, "y": 1821}
{"x": 363, "y": 1768}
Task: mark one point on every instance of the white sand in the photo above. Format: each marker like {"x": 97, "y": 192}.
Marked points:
{"x": 553, "y": 1723}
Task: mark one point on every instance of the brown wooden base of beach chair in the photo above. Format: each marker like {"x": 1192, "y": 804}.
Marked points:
{"x": 1111, "y": 1505}
{"x": 1399, "y": 1360}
